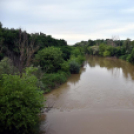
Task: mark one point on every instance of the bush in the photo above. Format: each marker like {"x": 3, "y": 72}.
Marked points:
{"x": 50, "y": 81}
{"x": 102, "y": 48}
{"x": 95, "y": 50}
{"x": 49, "y": 59}
{"x": 74, "y": 67}
{"x": 65, "y": 67}
{"x": 106, "y": 53}
{"x": 80, "y": 59}
{"x": 117, "y": 51}
{"x": 130, "y": 57}
{"x": 124, "y": 57}
{"x": 20, "y": 103}
{"x": 6, "y": 66}
{"x": 90, "y": 50}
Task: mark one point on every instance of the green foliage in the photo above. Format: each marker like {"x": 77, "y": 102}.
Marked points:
{"x": 52, "y": 80}
{"x": 77, "y": 55}
{"x": 65, "y": 67}
{"x": 95, "y": 50}
{"x": 30, "y": 70}
{"x": 130, "y": 57}
{"x": 101, "y": 49}
{"x": 90, "y": 50}
{"x": 20, "y": 102}
{"x": 76, "y": 51}
{"x": 117, "y": 51}
{"x": 106, "y": 53}
{"x": 79, "y": 59}
{"x": 127, "y": 45}
{"x": 123, "y": 51}
{"x": 49, "y": 59}
{"x": 123, "y": 57}
{"x": 74, "y": 67}
{"x": 66, "y": 52}
{"x": 6, "y": 67}
{"x": 36, "y": 71}
{"x": 106, "y": 50}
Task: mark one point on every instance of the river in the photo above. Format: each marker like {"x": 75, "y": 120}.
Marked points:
{"x": 99, "y": 100}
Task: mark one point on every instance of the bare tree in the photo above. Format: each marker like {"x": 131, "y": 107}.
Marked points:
{"x": 26, "y": 51}
{"x": 22, "y": 43}
{"x": 112, "y": 40}
{"x": 30, "y": 50}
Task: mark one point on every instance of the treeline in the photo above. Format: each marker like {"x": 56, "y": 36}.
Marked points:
{"x": 30, "y": 65}
{"x": 123, "y": 49}
{"x": 53, "y": 58}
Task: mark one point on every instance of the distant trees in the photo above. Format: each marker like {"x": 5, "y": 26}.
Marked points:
{"x": 127, "y": 45}
{"x": 130, "y": 57}
{"x": 122, "y": 49}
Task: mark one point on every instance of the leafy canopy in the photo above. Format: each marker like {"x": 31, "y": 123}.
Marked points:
{"x": 49, "y": 59}
{"x": 20, "y": 102}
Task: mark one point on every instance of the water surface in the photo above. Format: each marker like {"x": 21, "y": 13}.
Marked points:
{"x": 99, "y": 100}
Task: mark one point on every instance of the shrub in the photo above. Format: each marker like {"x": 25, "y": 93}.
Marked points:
{"x": 50, "y": 81}
{"x": 74, "y": 67}
{"x": 102, "y": 48}
{"x": 95, "y": 50}
{"x": 49, "y": 59}
{"x": 123, "y": 57}
{"x": 106, "y": 53}
{"x": 65, "y": 67}
{"x": 80, "y": 59}
{"x": 90, "y": 50}
{"x": 130, "y": 57}
{"x": 6, "y": 66}
{"x": 20, "y": 102}
{"x": 117, "y": 51}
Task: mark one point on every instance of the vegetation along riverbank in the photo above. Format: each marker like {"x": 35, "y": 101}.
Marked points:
{"x": 114, "y": 47}
{"x": 30, "y": 65}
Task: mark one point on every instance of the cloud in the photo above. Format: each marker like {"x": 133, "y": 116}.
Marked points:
{"x": 72, "y": 20}
{"x": 128, "y": 10}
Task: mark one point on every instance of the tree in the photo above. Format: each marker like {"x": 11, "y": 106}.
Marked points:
{"x": 102, "y": 48}
{"x": 26, "y": 49}
{"x": 49, "y": 59}
{"x": 6, "y": 67}
{"x": 127, "y": 45}
{"x": 130, "y": 57}
{"x": 31, "y": 49}
{"x": 20, "y": 103}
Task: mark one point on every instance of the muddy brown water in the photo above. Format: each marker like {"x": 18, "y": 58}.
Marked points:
{"x": 99, "y": 100}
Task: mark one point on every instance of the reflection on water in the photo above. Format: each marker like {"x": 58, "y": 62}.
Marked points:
{"x": 99, "y": 100}
{"x": 113, "y": 65}
{"x": 74, "y": 79}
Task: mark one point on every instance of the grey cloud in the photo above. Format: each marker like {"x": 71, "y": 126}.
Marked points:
{"x": 73, "y": 20}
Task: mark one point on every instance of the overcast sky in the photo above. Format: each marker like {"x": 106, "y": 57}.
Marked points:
{"x": 72, "y": 20}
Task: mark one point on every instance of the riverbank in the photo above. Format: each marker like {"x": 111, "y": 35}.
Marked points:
{"x": 98, "y": 100}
